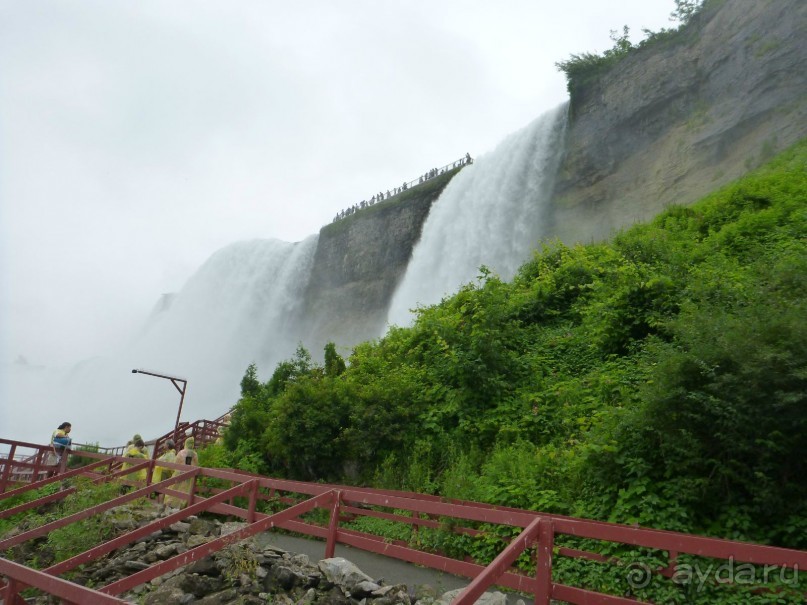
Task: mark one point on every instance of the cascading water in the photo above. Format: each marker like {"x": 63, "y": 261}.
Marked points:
{"x": 245, "y": 296}
{"x": 489, "y": 214}
{"x": 240, "y": 307}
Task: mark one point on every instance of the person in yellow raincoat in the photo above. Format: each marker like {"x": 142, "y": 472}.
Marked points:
{"x": 136, "y": 450}
{"x": 187, "y": 455}
{"x": 169, "y": 455}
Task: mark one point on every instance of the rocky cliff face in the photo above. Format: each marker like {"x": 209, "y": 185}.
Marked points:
{"x": 683, "y": 116}
{"x": 359, "y": 262}
{"x": 668, "y": 124}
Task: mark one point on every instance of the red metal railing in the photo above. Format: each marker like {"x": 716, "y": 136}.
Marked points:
{"x": 204, "y": 432}
{"x": 538, "y": 535}
{"x": 25, "y": 463}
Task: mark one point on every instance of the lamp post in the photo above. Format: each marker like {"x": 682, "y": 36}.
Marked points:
{"x": 176, "y": 382}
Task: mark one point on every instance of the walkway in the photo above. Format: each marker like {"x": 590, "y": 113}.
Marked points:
{"x": 542, "y": 537}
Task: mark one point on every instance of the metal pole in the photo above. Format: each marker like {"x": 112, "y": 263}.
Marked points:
{"x": 179, "y": 411}
{"x": 175, "y": 381}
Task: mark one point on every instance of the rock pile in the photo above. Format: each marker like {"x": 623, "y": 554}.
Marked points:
{"x": 241, "y": 574}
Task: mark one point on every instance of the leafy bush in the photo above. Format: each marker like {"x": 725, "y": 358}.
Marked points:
{"x": 582, "y": 69}
{"x": 658, "y": 379}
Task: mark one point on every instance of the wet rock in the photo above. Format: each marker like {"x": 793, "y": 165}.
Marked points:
{"x": 364, "y": 589}
{"x": 280, "y": 577}
{"x": 180, "y": 527}
{"x": 334, "y": 596}
{"x": 488, "y": 598}
{"x": 150, "y": 538}
{"x": 205, "y": 567}
{"x": 301, "y": 560}
{"x": 312, "y": 580}
{"x": 170, "y": 596}
{"x": 342, "y": 572}
{"x": 201, "y": 527}
{"x": 308, "y": 598}
{"x": 194, "y": 541}
{"x": 399, "y": 596}
{"x": 200, "y": 586}
{"x": 165, "y": 551}
{"x": 426, "y": 591}
{"x": 225, "y": 596}
{"x": 274, "y": 551}
{"x": 231, "y": 526}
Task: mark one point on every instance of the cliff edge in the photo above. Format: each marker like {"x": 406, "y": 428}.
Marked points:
{"x": 683, "y": 116}
{"x": 359, "y": 262}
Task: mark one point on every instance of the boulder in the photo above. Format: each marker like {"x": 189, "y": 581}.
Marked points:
{"x": 488, "y": 598}
{"x": 343, "y": 573}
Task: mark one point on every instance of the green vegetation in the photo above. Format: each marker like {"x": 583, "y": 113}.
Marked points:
{"x": 659, "y": 379}
{"x": 582, "y": 69}
{"x": 65, "y": 542}
{"x": 76, "y": 460}
{"x": 667, "y": 366}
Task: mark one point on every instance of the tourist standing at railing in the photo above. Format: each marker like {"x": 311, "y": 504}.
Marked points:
{"x": 60, "y": 440}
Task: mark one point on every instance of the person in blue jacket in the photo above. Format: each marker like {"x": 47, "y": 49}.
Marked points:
{"x": 60, "y": 440}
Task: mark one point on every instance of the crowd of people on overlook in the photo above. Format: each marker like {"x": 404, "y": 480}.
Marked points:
{"x": 381, "y": 196}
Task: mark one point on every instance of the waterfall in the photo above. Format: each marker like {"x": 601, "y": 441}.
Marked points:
{"x": 241, "y": 306}
{"x": 489, "y": 214}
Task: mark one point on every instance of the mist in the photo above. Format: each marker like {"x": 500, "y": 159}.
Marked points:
{"x": 138, "y": 139}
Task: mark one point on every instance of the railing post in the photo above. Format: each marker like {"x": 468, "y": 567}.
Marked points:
{"x": 11, "y": 593}
{"x": 330, "y": 546}
{"x": 543, "y": 576}
{"x": 192, "y": 490}
{"x": 672, "y": 562}
{"x": 63, "y": 463}
{"x": 157, "y": 445}
{"x": 150, "y": 472}
{"x": 37, "y": 466}
{"x": 7, "y": 468}
{"x": 253, "y": 501}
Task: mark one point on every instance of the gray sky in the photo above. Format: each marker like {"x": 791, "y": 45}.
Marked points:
{"x": 137, "y": 138}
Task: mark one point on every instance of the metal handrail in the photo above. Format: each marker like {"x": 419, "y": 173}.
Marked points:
{"x": 538, "y": 532}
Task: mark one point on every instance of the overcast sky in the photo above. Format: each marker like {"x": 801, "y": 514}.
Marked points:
{"x": 137, "y": 138}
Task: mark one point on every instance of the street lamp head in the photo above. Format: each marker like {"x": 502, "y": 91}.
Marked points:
{"x": 134, "y": 371}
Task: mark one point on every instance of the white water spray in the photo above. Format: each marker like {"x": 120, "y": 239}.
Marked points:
{"x": 489, "y": 214}
{"x": 240, "y": 307}
{"x": 244, "y": 297}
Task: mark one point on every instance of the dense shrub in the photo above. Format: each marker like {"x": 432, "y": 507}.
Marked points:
{"x": 657, "y": 379}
